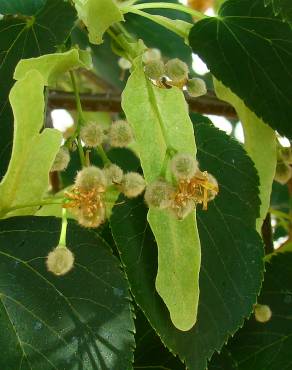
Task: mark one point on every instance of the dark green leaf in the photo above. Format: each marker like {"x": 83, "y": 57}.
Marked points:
{"x": 265, "y": 346}
{"x": 82, "y": 320}
{"x": 232, "y": 253}
{"x": 282, "y": 7}
{"x": 250, "y": 50}
{"x": 21, "y": 39}
{"x": 27, "y": 7}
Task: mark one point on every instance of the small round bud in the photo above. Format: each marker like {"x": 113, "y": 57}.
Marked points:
{"x": 154, "y": 69}
{"x": 283, "y": 173}
{"x": 114, "y": 174}
{"x": 92, "y": 221}
{"x": 176, "y": 70}
{"x": 92, "y": 135}
{"x": 62, "y": 159}
{"x": 184, "y": 166}
{"x": 60, "y": 260}
{"x": 124, "y": 63}
{"x": 158, "y": 194}
{"x": 120, "y": 134}
{"x": 133, "y": 184}
{"x": 286, "y": 155}
{"x": 196, "y": 87}
{"x": 89, "y": 178}
{"x": 183, "y": 210}
{"x": 151, "y": 55}
{"x": 262, "y": 313}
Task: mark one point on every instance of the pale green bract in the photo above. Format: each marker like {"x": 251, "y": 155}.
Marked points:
{"x": 153, "y": 112}
{"x": 260, "y": 143}
{"x": 53, "y": 65}
{"x": 27, "y": 177}
{"x": 33, "y": 152}
{"x": 98, "y": 16}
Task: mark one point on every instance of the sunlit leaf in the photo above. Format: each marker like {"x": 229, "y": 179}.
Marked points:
{"x": 260, "y": 143}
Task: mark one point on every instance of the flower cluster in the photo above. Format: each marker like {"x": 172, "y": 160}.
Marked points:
{"x": 173, "y": 73}
{"x": 86, "y": 199}
{"x": 192, "y": 187}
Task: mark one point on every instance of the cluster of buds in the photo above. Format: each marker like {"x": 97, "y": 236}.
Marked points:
{"x": 119, "y": 135}
{"x": 284, "y": 162}
{"x": 192, "y": 187}
{"x": 86, "y": 200}
{"x": 173, "y": 73}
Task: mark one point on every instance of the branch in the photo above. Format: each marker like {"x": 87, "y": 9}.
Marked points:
{"x": 111, "y": 102}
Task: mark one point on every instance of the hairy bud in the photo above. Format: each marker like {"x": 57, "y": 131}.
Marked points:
{"x": 89, "y": 178}
{"x": 196, "y": 87}
{"x": 114, "y": 174}
{"x": 62, "y": 160}
{"x": 151, "y": 55}
{"x": 262, "y": 313}
{"x": 176, "y": 70}
{"x": 92, "y": 134}
{"x": 154, "y": 69}
{"x": 286, "y": 155}
{"x": 124, "y": 63}
{"x": 182, "y": 210}
{"x": 60, "y": 260}
{"x": 91, "y": 220}
{"x": 120, "y": 134}
{"x": 184, "y": 166}
{"x": 133, "y": 184}
{"x": 158, "y": 194}
{"x": 283, "y": 173}
{"x": 212, "y": 192}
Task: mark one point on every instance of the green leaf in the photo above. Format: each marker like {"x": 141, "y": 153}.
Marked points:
{"x": 232, "y": 253}
{"x": 26, "y": 38}
{"x": 108, "y": 14}
{"x": 282, "y": 8}
{"x": 165, "y": 122}
{"x": 82, "y": 320}
{"x": 27, "y": 7}
{"x": 265, "y": 345}
{"x": 260, "y": 143}
{"x": 27, "y": 177}
{"x": 53, "y": 65}
{"x": 249, "y": 50}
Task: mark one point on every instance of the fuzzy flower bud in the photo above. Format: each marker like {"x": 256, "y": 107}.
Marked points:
{"x": 184, "y": 166}
{"x": 62, "y": 159}
{"x": 286, "y": 155}
{"x": 92, "y": 135}
{"x": 133, "y": 184}
{"x": 60, "y": 260}
{"x": 120, "y": 134}
{"x": 89, "y": 178}
{"x": 211, "y": 194}
{"x": 262, "y": 313}
{"x": 154, "y": 69}
{"x": 114, "y": 174}
{"x": 93, "y": 220}
{"x": 124, "y": 63}
{"x": 151, "y": 55}
{"x": 183, "y": 210}
{"x": 158, "y": 194}
{"x": 176, "y": 70}
{"x": 196, "y": 87}
{"x": 283, "y": 173}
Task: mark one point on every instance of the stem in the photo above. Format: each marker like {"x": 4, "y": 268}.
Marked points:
{"x": 43, "y": 202}
{"x": 163, "y": 21}
{"x": 120, "y": 39}
{"x": 168, "y": 155}
{"x": 62, "y": 241}
{"x": 103, "y": 155}
{"x": 179, "y": 7}
{"x": 81, "y": 119}
{"x": 280, "y": 214}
